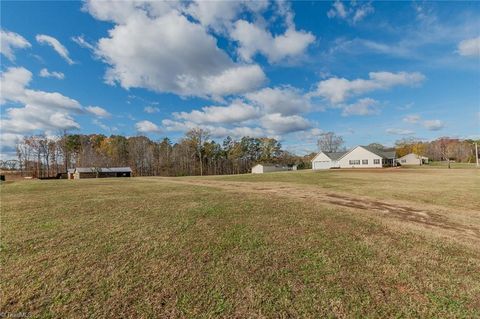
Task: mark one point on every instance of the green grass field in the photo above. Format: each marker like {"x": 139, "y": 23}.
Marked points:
{"x": 387, "y": 243}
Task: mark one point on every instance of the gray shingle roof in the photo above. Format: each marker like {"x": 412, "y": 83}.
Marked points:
{"x": 115, "y": 169}
{"x": 85, "y": 169}
{"x": 387, "y": 154}
{"x": 334, "y": 155}
{"x": 270, "y": 165}
{"x": 104, "y": 169}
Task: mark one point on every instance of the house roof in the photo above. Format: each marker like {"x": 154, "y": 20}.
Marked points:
{"x": 116, "y": 169}
{"x": 104, "y": 169}
{"x": 416, "y": 155}
{"x": 387, "y": 154}
{"x": 71, "y": 170}
{"x": 85, "y": 169}
{"x": 270, "y": 164}
{"x": 334, "y": 155}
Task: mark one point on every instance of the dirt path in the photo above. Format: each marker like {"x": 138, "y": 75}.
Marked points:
{"x": 441, "y": 220}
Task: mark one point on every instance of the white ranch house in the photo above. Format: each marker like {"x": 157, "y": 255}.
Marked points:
{"x": 412, "y": 159}
{"x": 357, "y": 157}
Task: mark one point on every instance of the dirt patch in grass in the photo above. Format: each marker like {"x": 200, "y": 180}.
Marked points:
{"x": 463, "y": 225}
{"x": 404, "y": 213}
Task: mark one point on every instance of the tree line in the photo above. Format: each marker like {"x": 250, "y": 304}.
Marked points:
{"x": 194, "y": 154}
{"x": 441, "y": 149}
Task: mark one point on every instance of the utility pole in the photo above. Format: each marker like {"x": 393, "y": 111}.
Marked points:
{"x": 476, "y": 152}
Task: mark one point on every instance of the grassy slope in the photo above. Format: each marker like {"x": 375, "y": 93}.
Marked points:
{"x": 454, "y": 188}
{"x": 146, "y": 248}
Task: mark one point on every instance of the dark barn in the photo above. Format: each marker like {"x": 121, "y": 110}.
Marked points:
{"x": 101, "y": 172}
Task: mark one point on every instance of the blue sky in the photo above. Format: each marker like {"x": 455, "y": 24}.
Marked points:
{"x": 369, "y": 71}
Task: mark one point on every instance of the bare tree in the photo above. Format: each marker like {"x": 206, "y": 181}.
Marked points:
{"x": 330, "y": 142}
{"x": 196, "y": 138}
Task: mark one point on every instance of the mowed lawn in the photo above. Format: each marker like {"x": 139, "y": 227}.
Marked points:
{"x": 198, "y": 247}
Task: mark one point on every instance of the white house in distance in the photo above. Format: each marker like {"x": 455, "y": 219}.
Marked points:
{"x": 357, "y": 157}
{"x": 267, "y": 168}
{"x": 412, "y": 159}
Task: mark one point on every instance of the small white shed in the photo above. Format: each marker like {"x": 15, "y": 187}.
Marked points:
{"x": 267, "y": 168}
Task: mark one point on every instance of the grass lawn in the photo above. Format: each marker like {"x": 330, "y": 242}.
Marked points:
{"x": 445, "y": 165}
{"x": 244, "y": 246}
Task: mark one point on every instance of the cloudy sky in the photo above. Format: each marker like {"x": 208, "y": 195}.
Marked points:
{"x": 369, "y": 71}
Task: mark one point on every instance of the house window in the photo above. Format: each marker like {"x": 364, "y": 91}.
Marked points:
{"x": 376, "y": 161}
{"x": 364, "y": 162}
{"x": 404, "y": 161}
{"x": 354, "y": 162}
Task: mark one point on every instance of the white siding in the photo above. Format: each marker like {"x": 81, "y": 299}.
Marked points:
{"x": 322, "y": 161}
{"x": 358, "y": 155}
{"x": 260, "y": 169}
{"x": 321, "y": 165}
{"x": 411, "y": 159}
{"x": 257, "y": 169}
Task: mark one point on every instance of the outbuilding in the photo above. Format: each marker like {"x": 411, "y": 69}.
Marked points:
{"x": 70, "y": 173}
{"x": 412, "y": 159}
{"x": 101, "y": 172}
{"x": 267, "y": 168}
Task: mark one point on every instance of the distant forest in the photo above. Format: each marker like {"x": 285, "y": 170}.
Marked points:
{"x": 194, "y": 154}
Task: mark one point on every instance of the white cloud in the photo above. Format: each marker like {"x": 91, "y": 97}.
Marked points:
{"x": 365, "y": 106}
{"x": 362, "y": 11}
{"x": 215, "y": 131}
{"x": 56, "y": 45}
{"x": 98, "y": 111}
{"x": 353, "y": 13}
{"x": 433, "y": 125}
{"x": 102, "y": 125}
{"x": 398, "y": 131}
{"x": 10, "y": 41}
{"x": 80, "y": 40}
{"x": 270, "y": 111}
{"x": 338, "y": 89}
{"x": 216, "y": 15}
{"x": 14, "y": 82}
{"x": 8, "y": 141}
{"x": 178, "y": 126}
{"x": 40, "y": 110}
{"x": 219, "y": 15}
{"x": 236, "y": 112}
{"x": 413, "y": 118}
{"x": 44, "y": 73}
{"x": 147, "y": 127}
{"x": 337, "y": 10}
{"x": 270, "y": 125}
{"x": 276, "y": 123}
{"x": 223, "y": 18}
{"x": 284, "y": 100}
{"x": 235, "y": 79}
{"x": 186, "y": 61}
{"x": 254, "y": 39}
{"x": 469, "y": 47}
{"x": 151, "y": 109}
{"x": 244, "y": 131}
